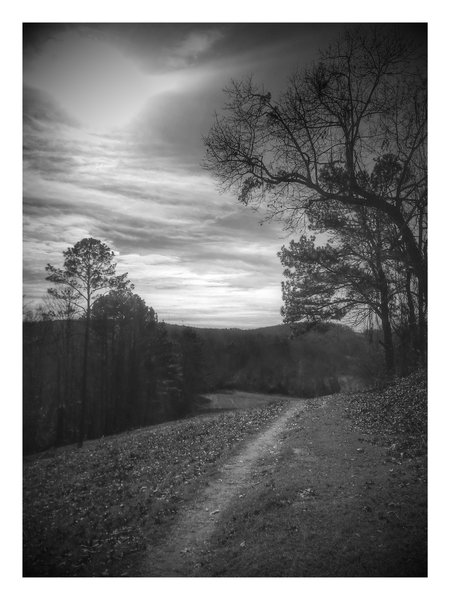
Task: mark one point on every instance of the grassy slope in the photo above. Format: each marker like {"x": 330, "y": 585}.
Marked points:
{"x": 326, "y": 506}
{"x": 346, "y": 494}
{"x": 92, "y": 511}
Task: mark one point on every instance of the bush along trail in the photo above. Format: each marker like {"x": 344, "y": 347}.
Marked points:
{"x": 333, "y": 486}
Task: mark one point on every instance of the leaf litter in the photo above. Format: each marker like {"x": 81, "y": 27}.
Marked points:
{"x": 395, "y": 416}
{"x": 90, "y": 511}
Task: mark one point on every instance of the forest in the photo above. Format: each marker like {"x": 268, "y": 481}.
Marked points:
{"x": 136, "y": 371}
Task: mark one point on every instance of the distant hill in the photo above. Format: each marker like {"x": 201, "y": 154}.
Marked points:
{"x": 271, "y": 330}
{"x": 272, "y": 360}
{"x": 282, "y": 330}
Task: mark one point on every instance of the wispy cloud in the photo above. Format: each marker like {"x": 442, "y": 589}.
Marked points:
{"x": 194, "y": 45}
{"x": 124, "y": 167}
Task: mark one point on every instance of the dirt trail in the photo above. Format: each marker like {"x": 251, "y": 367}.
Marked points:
{"x": 180, "y": 553}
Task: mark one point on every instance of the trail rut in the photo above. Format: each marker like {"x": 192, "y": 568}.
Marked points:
{"x": 188, "y": 539}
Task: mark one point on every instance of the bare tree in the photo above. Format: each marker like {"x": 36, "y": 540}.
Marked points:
{"x": 360, "y": 110}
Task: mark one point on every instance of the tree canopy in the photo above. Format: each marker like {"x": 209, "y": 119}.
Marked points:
{"x": 88, "y": 273}
{"x": 351, "y": 129}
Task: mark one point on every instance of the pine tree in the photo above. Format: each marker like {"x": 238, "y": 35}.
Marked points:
{"x": 90, "y": 272}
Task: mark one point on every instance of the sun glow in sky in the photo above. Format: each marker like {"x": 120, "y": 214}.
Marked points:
{"x": 113, "y": 123}
{"x": 91, "y": 79}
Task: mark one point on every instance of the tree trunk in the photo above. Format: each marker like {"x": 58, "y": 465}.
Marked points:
{"x": 422, "y": 326}
{"x": 60, "y": 414}
{"x": 388, "y": 343}
{"x": 83, "y": 406}
{"x": 422, "y": 299}
{"x": 383, "y": 287}
{"x": 412, "y": 323}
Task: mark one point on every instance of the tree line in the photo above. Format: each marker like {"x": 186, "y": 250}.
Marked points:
{"x": 272, "y": 361}
{"x": 142, "y": 371}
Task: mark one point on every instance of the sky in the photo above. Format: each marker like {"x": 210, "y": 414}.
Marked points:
{"x": 114, "y": 116}
{"x": 60, "y": 204}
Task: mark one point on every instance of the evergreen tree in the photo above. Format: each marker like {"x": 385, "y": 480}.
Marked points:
{"x": 90, "y": 272}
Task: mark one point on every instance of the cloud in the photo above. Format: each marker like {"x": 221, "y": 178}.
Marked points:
{"x": 38, "y": 105}
{"x": 193, "y": 45}
{"x": 196, "y": 256}
{"x": 175, "y": 261}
